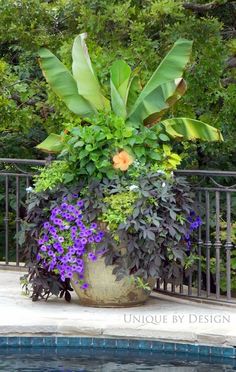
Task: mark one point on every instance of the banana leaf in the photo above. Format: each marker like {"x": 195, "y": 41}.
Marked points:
{"x": 134, "y": 90}
{"x": 119, "y": 81}
{"x": 87, "y": 82}
{"x": 191, "y": 129}
{"x": 52, "y": 144}
{"x": 63, "y": 84}
{"x": 170, "y": 93}
{"x": 170, "y": 69}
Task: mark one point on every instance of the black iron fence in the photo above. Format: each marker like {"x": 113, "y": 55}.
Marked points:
{"x": 210, "y": 272}
{"x": 15, "y": 178}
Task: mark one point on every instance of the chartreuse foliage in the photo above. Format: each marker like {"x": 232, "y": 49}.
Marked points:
{"x": 51, "y": 176}
{"x": 138, "y": 32}
{"x": 146, "y": 107}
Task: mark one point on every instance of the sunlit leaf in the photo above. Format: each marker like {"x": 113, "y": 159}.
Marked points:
{"x": 52, "y": 144}
{"x": 86, "y": 79}
{"x": 63, "y": 84}
{"x": 191, "y": 129}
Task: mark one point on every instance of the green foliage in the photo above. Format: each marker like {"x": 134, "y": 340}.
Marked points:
{"x": 89, "y": 149}
{"x": 81, "y": 92}
{"x": 140, "y": 33}
{"x": 50, "y": 176}
{"x": 151, "y": 236}
{"x": 118, "y": 208}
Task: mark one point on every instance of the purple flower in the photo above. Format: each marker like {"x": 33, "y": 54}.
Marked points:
{"x": 83, "y": 241}
{"x": 46, "y": 225}
{"x": 43, "y": 248}
{"x": 84, "y": 286}
{"x": 64, "y": 206}
{"x": 52, "y": 230}
{"x": 45, "y": 238}
{"x": 71, "y": 208}
{"x": 80, "y": 203}
{"x": 93, "y": 225}
{"x": 79, "y": 269}
{"x": 61, "y": 239}
{"x": 51, "y": 253}
{"x": 92, "y": 256}
{"x": 97, "y": 239}
{"x": 91, "y": 239}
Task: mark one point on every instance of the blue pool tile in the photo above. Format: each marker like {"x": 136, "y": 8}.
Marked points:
{"x": 37, "y": 341}
{"x": 98, "y": 342}
{"x": 145, "y": 345}
{"x": 74, "y": 341}
{"x": 216, "y": 351}
{"x": 62, "y": 341}
{"x": 110, "y": 343}
{"x": 192, "y": 349}
{"x": 157, "y": 346}
{"x": 181, "y": 348}
{"x": 25, "y": 341}
{"x": 13, "y": 341}
{"x": 122, "y": 344}
{"x": 134, "y": 344}
{"x": 169, "y": 346}
{"x": 86, "y": 341}
{"x": 50, "y": 341}
{"x": 204, "y": 350}
{"x": 3, "y": 341}
{"x": 228, "y": 352}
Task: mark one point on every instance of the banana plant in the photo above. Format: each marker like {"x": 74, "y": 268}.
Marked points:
{"x": 81, "y": 92}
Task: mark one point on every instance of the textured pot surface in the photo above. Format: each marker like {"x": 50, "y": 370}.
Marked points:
{"x": 105, "y": 291}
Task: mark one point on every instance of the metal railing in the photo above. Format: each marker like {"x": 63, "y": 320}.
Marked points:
{"x": 212, "y": 274}
{"x": 15, "y": 177}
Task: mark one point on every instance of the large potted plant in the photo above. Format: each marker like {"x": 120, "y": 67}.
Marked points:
{"x": 108, "y": 216}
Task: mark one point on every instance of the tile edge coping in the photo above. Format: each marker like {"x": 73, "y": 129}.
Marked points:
{"x": 118, "y": 343}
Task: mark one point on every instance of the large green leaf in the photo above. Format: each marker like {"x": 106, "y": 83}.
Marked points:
{"x": 191, "y": 129}
{"x": 87, "y": 82}
{"x": 63, "y": 84}
{"x": 120, "y": 77}
{"x": 133, "y": 91}
{"x": 170, "y": 69}
{"x": 52, "y": 144}
{"x": 168, "y": 94}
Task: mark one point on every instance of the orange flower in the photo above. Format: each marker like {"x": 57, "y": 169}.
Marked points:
{"x": 122, "y": 160}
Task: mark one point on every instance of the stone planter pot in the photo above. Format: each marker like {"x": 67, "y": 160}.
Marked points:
{"x": 105, "y": 291}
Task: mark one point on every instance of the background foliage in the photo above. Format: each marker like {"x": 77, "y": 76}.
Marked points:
{"x": 140, "y": 32}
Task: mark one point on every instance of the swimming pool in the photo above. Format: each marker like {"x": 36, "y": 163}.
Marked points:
{"x": 73, "y": 359}
{"x": 74, "y": 354}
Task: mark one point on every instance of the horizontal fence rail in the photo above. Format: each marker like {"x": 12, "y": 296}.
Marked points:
{"x": 15, "y": 178}
{"x": 212, "y": 274}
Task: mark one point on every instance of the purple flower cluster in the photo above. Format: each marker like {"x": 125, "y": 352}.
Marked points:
{"x": 65, "y": 241}
{"x": 194, "y": 223}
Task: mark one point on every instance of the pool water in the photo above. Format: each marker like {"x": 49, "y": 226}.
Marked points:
{"x": 104, "y": 360}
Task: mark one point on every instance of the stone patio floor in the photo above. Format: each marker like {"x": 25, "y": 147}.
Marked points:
{"x": 162, "y": 318}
